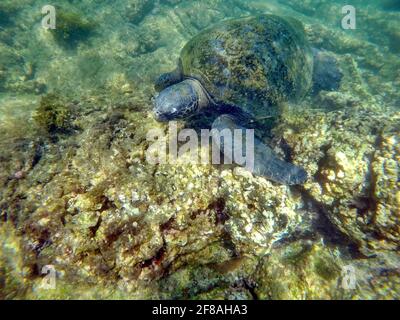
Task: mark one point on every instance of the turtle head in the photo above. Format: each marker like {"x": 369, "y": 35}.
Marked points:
{"x": 179, "y": 101}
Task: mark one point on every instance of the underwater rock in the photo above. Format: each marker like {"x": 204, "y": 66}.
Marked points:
{"x": 312, "y": 270}
{"x": 9, "y": 56}
{"x": 137, "y": 10}
{"x": 105, "y": 213}
{"x": 301, "y": 270}
{"x": 229, "y": 279}
{"x": 13, "y": 271}
{"x": 386, "y": 192}
{"x": 10, "y": 61}
{"x": 355, "y": 171}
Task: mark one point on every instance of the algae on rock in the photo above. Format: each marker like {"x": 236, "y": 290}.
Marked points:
{"x": 115, "y": 226}
{"x": 72, "y": 28}
{"x": 53, "y": 114}
{"x": 13, "y": 271}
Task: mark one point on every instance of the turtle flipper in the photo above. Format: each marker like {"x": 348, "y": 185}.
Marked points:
{"x": 327, "y": 74}
{"x": 266, "y": 163}
{"x": 168, "y": 79}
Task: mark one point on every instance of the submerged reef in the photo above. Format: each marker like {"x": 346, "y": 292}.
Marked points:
{"x": 114, "y": 226}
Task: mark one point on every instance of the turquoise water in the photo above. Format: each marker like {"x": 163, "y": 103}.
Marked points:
{"x": 77, "y": 193}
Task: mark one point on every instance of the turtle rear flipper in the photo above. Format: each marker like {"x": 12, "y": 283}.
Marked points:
{"x": 327, "y": 74}
{"x": 264, "y": 161}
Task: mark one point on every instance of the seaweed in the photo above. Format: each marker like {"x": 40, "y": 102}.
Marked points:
{"x": 296, "y": 253}
{"x": 391, "y": 5}
{"x": 72, "y": 28}
{"x": 90, "y": 66}
{"x": 7, "y": 10}
{"x": 53, "y": 114}
{"x": 326, "y": 268}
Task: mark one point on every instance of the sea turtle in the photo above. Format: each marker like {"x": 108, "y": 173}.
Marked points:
{"x": 242, "y": 68}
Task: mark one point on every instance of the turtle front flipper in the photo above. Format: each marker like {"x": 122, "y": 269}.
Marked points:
{"x": 170, "y": 78}
{"x": 327, "y": 74}
{"x": 264, "y": 161}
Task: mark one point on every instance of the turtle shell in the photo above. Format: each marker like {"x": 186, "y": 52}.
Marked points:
{"x": 252, "y": 63}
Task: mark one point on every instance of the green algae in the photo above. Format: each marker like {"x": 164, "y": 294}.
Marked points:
{"x": 72, "y": 28}
{"x": 326, "y": 268}
{"x": 7, "y": 10}
{"x": 9, "y": 58}
{"x": 53, "y": 114}
{"x": 296, "y": 253}
{"x": 13, "y": 272}
{"x": 390, "y": 5}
